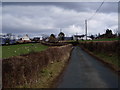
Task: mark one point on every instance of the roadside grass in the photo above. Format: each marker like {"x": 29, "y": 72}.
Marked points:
{"x": 111, "y": 58}
{"x": 47, "y": 76}
{"x": 105, "y": 51}
{"x": 20, "y": 49}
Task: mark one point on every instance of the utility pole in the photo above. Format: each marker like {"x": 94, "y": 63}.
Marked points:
{"x": 86, "y": 29}
{"x": 60, "y": 30}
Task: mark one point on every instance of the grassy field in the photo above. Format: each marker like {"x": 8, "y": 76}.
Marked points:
{"x": 15, "y": 50}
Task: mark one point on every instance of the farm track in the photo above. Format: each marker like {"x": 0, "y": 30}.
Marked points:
{"x": 84, "y": 71}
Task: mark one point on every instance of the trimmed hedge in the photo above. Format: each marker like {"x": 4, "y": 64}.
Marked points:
{"x": 24, "y": 69}
{"x": 102, "y": 46}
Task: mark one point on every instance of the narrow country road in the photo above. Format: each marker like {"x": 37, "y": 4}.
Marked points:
{"x": 83, "y": 71}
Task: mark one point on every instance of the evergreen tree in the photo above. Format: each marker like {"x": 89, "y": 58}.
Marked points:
{"x": 61, "y": 36}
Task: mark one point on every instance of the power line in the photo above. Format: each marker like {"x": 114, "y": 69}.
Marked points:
{"x": 96, "y": 11}
{"x": 91, "y": 18}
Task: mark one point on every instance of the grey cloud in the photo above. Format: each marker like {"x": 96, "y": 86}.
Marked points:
{"x": 58, "y": 0}
{"x": 50, "y": 17}
{"x": 108, "y": 7}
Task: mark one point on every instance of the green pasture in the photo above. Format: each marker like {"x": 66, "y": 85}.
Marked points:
{"x": 15, "y": 50}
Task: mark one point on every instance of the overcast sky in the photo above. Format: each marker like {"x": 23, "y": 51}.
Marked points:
{"x": 38, "y": 18}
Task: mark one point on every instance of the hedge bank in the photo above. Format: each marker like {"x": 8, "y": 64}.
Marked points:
{"x": 24, "y": 69}
{"x": 107, "y": 51}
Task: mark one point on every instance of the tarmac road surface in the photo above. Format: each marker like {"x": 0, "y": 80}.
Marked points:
{"x": 84, "y": 71}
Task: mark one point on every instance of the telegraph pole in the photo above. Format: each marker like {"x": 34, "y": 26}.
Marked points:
{"x": 60, "y": 30}
{"x": 86, "y": 28}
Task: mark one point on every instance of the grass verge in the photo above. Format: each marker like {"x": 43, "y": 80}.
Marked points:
{"x": 111, "y": 60}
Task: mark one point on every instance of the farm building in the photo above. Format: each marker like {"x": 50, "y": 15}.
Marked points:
{"x": 7, "y": 39}
{"x": 81, "y": 37}
{"x": 78, "y": 37}
{"x": 2, "y": 41}
{"x": 26, "y": 38}
{"x": 68, "y": 38}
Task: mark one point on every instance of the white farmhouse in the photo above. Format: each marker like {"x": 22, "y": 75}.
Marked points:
{"x": 25, "y": 38}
